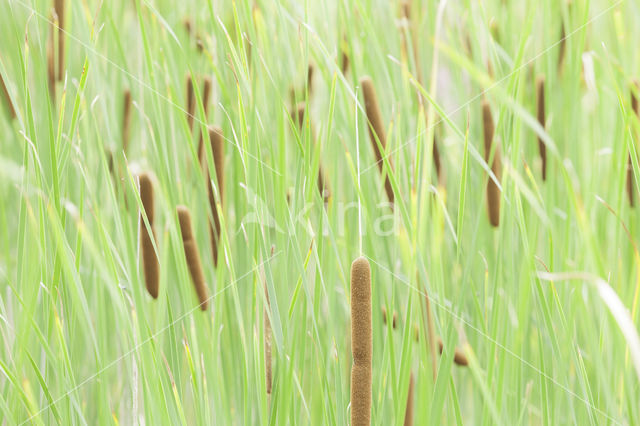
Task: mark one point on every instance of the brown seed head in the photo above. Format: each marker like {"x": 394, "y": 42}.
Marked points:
{"x": 361, "y": 342}
{"x": 150, "y": 262}
{"x": 542, "y": 121}
{"x": 192, "y": 256}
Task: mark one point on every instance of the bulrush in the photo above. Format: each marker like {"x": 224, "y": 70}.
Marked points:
{"x": 563, "y": 47}
{"x": 298, "y": 117}
{"x": 344, "y": 56}
{"x": 192, "y": 256}
{"x": 541, "y": 120}
{"x": 310, "y": 78}
{"x": 126, "y": 119}
{"x": 458, "y": 357}
{"x": 7, "y": 98}
{"x": 217, "y": 148}
{"x": 59, "y": 10}
{"x": 51, "y": 62}
{"x": 408, "y": 411}
{"x": 493, "y": 192}
{"x": 205, "y": 104}
{"x": 149, "y": 257}
{"x": 636, "y": 110}
{"x": 376, "y": 129}
{"x": 191, "y": 101}
{"x": 361, "y": 342}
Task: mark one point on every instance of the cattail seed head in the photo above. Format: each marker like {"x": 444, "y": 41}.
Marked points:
{"x": 126, "y": 119}
{"x": 51, "y": 62}
{"x": 191, "y": 101}
{"x": 459, "y": 358}
{"x": 59, "y": 10}
{"x": 7, "y": 97}
{"x": 493, "y": 192}
{"x": 192, "y": 256}
{"x": 344, "y": 56}
{"x": 150, "y": 263}
{"x": 310, "y": 78}
{"x": 217, "y": 148}
{"x": 542, "y": 121}
{"x": 563, "y": 47}
{"x": 361, "y": 342}
{"x": 376, "y": 129}
{"x": 408, "y": 412}
{"x": 636, "y": 110}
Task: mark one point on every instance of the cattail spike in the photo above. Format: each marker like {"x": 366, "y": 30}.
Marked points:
{"x": 191, "y": 101}
{"x": 563, "y": 47}
{"x": 493, "y": 192}
{"x": 310, "y": 78}
{"x": 51, "y": 62}
{"x": 7, "y": 98}
{"x": 408, "y": 412}
{"x": 459, "y": 358}
{"x": 217, "y": 148}
{"x": 126, "y": 120}
{"x": 361, "y": 342}
{"x": 376, "y": 129}
{"x": 192, "y": 256}
{"x": 149, "y": 258}
{"x": 344, "y": 56}
{"x": 636, "y": 110}
{"x": 542, "y": 121}
{"x": 59, "y": 10}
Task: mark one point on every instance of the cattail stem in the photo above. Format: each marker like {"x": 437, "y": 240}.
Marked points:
{"x": 361, "y": 342}
{"x": 217, "y": 148}
{"x": 126, "y": 120}
{"x": 192, "y": 256}
{"x": 51, "y": 62}
{"x": 459, "y": 358}
{"x": 7, "y": 97}
{"x": 376, "y": 130}
{"x": 493, "y": 192}
{"x": 542, "y": 121}
{"x": 408, "y": 412}
{"x": 636, "y": 110}
{"x": 191, "y": 101}
{"x": 59, "y": 9}
{"x": 149, "y": 257}
{"x": 298, "y": 117}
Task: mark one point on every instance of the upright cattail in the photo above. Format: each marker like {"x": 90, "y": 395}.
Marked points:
{"x": 493, "y": 192}
{"x": 458, "y": 357}
{"x": 310, "y": 78}
{"x": 192, "y": 256}
{"x": 7, "y": 98}
{"x": 542, "y": 121}
{"x": 408, "y": 412}
{"x": 217, "y": 148}
{"x": 59, "y": 10}
{"x": 376, "y": 129}
{"x": 51, "y": 62}
{"x": 126, "y": 119}
{"x": 149, "y": 258}
{"x": 636, "y": 110}
{"x": 191, "y": 101}
{"x": 323, "y": 186}
{"x": 344, "y": 56}
{"x": 361, "y": 342}
{"x": 563, "y": 47}
{"x": 206, "y": 90}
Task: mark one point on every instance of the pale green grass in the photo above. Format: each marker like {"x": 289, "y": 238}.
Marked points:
{"x": 83, "y": 343}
